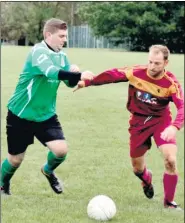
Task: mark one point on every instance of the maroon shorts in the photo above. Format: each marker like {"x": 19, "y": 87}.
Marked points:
{"x": 142, "y": 128}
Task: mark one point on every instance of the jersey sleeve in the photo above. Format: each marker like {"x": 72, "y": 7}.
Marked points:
{"x": 110, "y": 76}
{"x": 178, "y": 99}
{"x": 67, "y": 66}
{"x": 42, "y": 62}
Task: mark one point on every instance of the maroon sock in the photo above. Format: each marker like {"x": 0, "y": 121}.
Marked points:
{"x": 144, "y": 176}
{"x": 170, "y": 183}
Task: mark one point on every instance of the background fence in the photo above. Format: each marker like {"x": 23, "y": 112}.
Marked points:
{"x": 79, "y": 37}
{"x": 83, "y": 37}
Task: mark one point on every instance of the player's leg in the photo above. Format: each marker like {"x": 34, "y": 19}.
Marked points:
{"x": 140, "y": 142}
{"x": 56, "y": 155}
{"x": 145, "y": 175}
{"x": 18, "y": 138}
{"x": 170, "y": 176}
{"x": 169, "y": 151}
{"x": 8, "y": 169}
{"x": 140, "y": 170}
{"x": 51, "y": 135}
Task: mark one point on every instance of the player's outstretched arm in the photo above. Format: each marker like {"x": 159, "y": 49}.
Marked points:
{"x": 109, "y": 76}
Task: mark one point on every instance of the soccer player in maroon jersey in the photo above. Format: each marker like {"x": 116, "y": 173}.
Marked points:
{"x": 151, "y": 89}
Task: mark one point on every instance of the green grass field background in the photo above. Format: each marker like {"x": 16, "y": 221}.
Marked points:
{"x": 95, "y": 123}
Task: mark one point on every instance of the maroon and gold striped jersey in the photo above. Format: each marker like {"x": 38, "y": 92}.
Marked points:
{"x": 146, "y": 95}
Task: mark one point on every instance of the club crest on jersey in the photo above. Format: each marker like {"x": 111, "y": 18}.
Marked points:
{"x": 146, "y": 97}
{"x": 42, "y": 58}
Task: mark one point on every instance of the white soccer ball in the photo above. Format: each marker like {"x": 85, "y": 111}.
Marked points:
{"x": 101, "y": 208}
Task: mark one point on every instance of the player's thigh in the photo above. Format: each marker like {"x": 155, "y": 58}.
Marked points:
{"x": 50, "y": 134}
{"x": 169, "y": 151}
{"x": 140, "y": 138}
{"x": 139, "y": 144}
{"x": 19, "y": 134}
{"x": 164, "y": 123}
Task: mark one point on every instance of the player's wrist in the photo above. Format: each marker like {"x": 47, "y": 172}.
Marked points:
{"x": 68, "y": 75}
{"x": 87, "y": 83}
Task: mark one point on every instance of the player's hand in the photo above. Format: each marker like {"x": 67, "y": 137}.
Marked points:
{"x": 80, "y": 84}
{"x": 87, "y": 75}
{"x": 169, "y": 133}
{"x": 74, "y": 68}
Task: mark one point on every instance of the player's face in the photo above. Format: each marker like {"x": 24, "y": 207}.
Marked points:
{"x": 156, "y": 64}
{"x": 57, "y": 39}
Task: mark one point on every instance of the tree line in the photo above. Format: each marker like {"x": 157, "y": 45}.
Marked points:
{"x": 140, "y": 23}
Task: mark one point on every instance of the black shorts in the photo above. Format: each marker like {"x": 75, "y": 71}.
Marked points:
{"x": 21, "y": 132}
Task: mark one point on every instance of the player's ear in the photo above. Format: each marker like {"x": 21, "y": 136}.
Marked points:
{"x": 166, "y": 62}
{"x": 47, "y": 34}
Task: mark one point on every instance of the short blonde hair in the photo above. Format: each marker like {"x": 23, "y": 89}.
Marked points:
{"x": 53, "y": 25}
{"x": 160, "y": 48}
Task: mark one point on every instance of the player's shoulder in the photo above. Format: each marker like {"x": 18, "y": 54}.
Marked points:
{"x": 139, "y": 68}
{"x": 39, "y": 47}
{"x": 174, "y": 83}
{"x": 170, "y": 77}
{"x": 169, "y": 74}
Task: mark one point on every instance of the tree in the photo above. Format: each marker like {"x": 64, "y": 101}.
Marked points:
{"x": 26, "y": 19}
{"x": 173, "y": 18}
{"x": 12, "y": 27}
{"x": 143, "y": 23}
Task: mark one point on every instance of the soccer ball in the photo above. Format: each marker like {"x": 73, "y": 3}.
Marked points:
{"x": 101, "y": 208}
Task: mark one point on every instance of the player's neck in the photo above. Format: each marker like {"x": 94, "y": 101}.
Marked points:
{"x": 49, "y": 46}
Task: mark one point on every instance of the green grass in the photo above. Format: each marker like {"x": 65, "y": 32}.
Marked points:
{"x": 95, "y": 123}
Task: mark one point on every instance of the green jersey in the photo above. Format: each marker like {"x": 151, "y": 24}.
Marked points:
{"x": 34, "y": 98}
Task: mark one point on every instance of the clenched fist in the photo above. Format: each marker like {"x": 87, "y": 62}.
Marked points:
{"x": 169, "y": 133}
{"x": 87, "y": 75}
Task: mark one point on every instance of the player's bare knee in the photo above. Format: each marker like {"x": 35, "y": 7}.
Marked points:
{"x": 170, "y": 164}
{"x": 58, "y": 147}
{"x": 61, "y": 150}
{"x": 15, "y": 160}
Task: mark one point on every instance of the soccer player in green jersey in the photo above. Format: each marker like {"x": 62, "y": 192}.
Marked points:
{"x": 31, "y": 109}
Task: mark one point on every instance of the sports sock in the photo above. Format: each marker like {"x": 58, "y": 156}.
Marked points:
{"x": 53, "y": 162}
{"x": 7, "y": 171}
{"x": 169, "y": 183}
{"x": 144, "y": 176}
